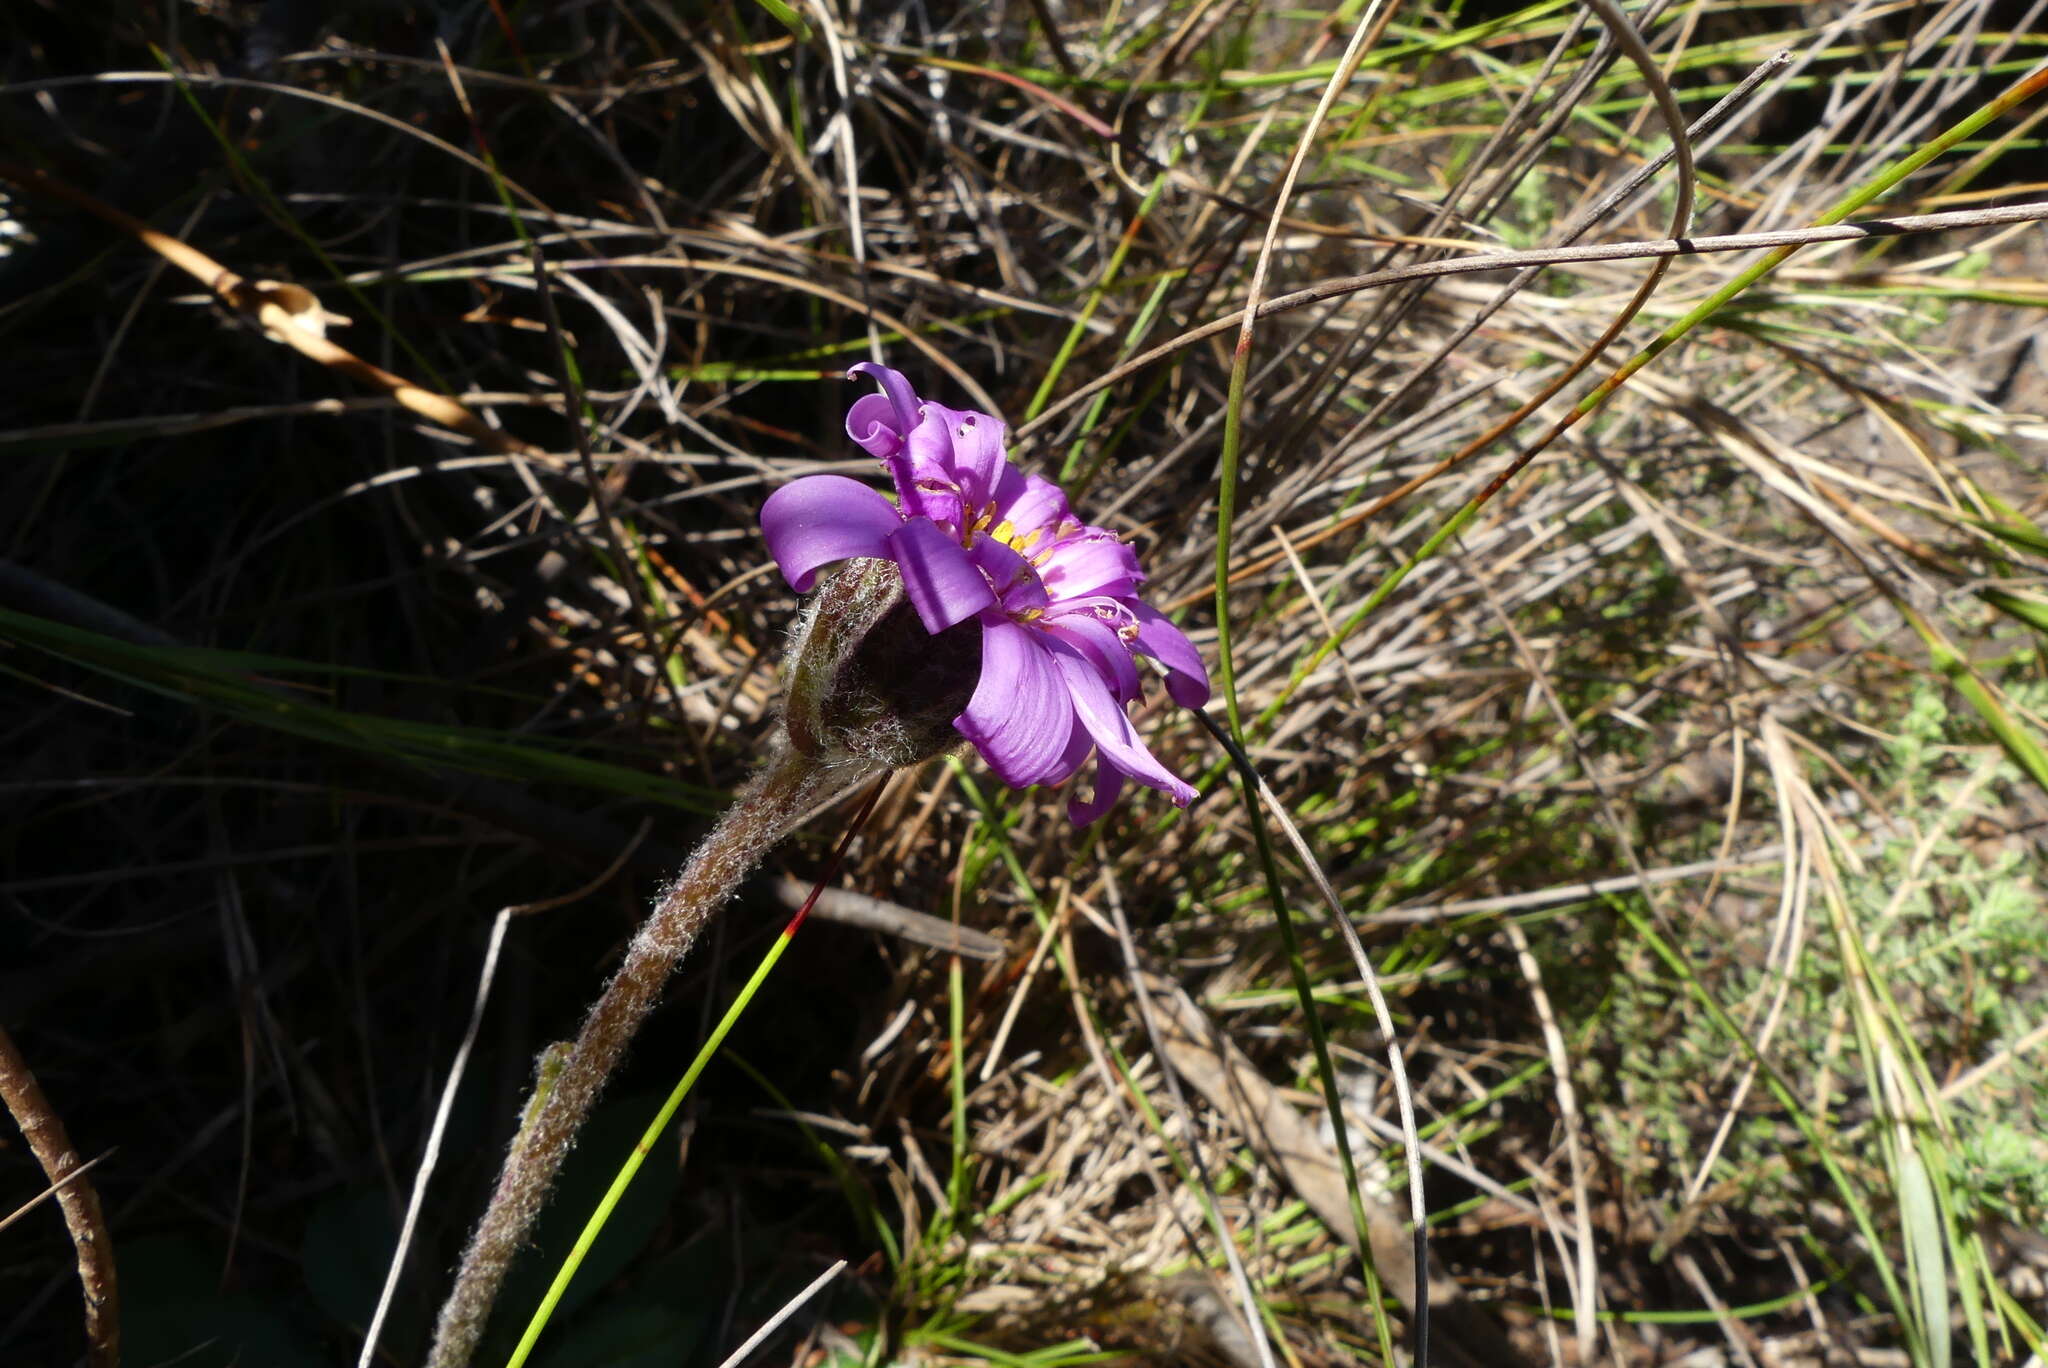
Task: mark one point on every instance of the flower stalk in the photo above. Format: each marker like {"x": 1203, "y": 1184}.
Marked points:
{"x": 763, "y": 813}
{"x": 976, "y": 609}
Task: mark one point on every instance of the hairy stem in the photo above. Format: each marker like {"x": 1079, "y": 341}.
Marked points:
{"x": 760, "y": 816}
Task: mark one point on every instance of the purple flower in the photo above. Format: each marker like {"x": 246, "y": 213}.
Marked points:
{"x": 974, "y": 537}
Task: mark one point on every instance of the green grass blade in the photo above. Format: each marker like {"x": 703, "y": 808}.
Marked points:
{"x": 219, "y": 679}
{"x": 627, "y": 1170}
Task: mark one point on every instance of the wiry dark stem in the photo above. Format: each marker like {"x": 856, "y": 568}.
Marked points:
{"x": 760, "y": 816}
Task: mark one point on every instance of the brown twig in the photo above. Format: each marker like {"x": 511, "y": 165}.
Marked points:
{"x": 76, "y": 1198}
{"x": 849, "y": 908}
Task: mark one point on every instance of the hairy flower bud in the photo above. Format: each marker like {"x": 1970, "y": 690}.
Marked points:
{"x": 867, "y": 684}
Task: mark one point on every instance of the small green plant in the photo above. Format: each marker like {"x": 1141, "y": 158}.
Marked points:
{"x": 1904, "y": 1019}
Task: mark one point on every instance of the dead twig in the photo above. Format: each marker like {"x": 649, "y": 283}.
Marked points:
{"x": 849, "y": 908}
{"x": 76, "y": 1198}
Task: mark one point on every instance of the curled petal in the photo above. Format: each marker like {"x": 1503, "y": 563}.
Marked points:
{"x": 1104, "y": 718}
{"x": 1187, "y": 679}
{"x": 939, "y": 579}
{"x": 812, "y": 522}
{"x": 883, "y": 425}
{"x": 903, "y": 400}
{"x": 871, "y": 422}
{"x": 1109, "y": 786}
{"x": 1020, "y": 718}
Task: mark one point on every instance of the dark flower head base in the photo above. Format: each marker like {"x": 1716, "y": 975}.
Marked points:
{"x": 973, "y": 537}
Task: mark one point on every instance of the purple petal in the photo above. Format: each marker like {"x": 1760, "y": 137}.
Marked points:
{"x": 903, "y": 400}
{"x": 1109, "y": 786}
{"x": 1080, "y": 746}
{"x": 1187, "y": 678}
{"x": 1021, "y": 717}
{"x": 1006, "y": 487}
{"x": 1040, "y": 504}
{"x": 1101, "y": 644}
{"x": 1016, "y": 584}
{"x": 871, "y": 422}
{"x": 940, "y": 580}
{"x": 929, "y": 466}
{"x": 933, "y": 441}
{"x": 1104, "y": 718}
{"x": 942, "y": 506}
{"x": 882, "y": 425}
{"x": 812, "y": 522}
{"x": 1094, "y": 562}
{"x": 978, "y": 456}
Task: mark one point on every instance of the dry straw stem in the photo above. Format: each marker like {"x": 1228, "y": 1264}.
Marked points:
{"x": 76, "y": 1198}
{"x": 1705, "y": 127}
{"x": 1846, "y": 232}
{"x": 849, "y": 908}
{"x": 1250, "y": 1330}
{"x": 286, "y": 313}
{"x": 1206, "y": 1058}
{"x": 1585, "y": 1280}
{"x": 781, "y": 1317}
{"x": 1859, "y": 231}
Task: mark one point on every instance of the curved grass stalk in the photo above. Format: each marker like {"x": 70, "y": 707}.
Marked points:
{"x": 1363, "y": 37}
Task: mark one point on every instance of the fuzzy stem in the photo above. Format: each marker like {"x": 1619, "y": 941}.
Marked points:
{"x": 760, "y": 816}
